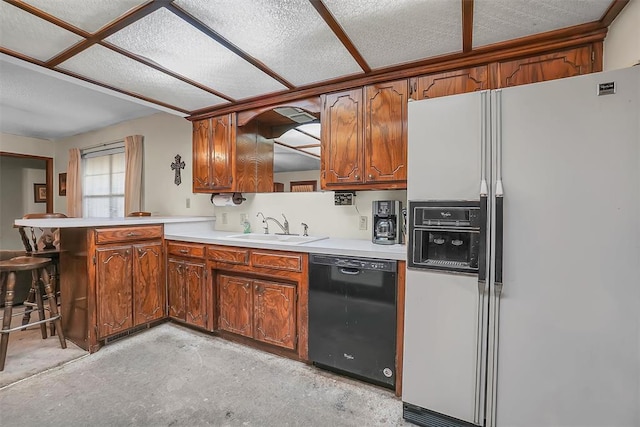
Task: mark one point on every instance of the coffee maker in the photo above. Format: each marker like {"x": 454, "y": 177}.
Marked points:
{"x": 387, "y": 222}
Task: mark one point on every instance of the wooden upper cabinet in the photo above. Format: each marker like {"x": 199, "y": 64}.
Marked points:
{"x": 223, "y": 143}
{"x": 556, "y": 65}
{"x": 449, "y": 83}
{"x": 385, "y": 142}
{"x": 214, "y": 154}
{"x": 342, "y": 133}
{"x": 201, "y": 155}
{"x": 364, "y": 138}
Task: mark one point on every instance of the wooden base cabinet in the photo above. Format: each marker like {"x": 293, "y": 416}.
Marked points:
{"x": 112, "y": 281}
{"x": 187, "y": 285}
{"x": 258, "y": 309}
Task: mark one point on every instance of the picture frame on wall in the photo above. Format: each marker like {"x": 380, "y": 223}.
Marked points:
{"x": 62, "y": 184}
{"x": 39, "y": 193}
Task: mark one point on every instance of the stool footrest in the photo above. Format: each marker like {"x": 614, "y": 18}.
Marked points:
{"x": 17, "y": 328}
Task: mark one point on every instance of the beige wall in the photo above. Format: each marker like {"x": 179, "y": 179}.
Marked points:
{"x": 24, "y": 145}
{"x": 622, "y": 44}
{"x": 165, "y": 136}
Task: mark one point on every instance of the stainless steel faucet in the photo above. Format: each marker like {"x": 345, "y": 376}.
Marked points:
{"x": 284, "y": 227}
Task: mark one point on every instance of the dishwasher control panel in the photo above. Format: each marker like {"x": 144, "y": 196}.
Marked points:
{"x": 351, "y": 262}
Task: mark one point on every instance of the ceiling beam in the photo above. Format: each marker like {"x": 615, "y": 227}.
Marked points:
{"x": 160, "y": 68}
{"x": 614, "y": 10}
{"x": 467, "y": 25}
{"x": 295, "y": 148}
{"x": 47, "y": 17}
{"x": 307, "y": 134}
{"x": 337, "y": 29}
{"x": 531, "y": 45}
{"x": 227, "y": 44}
{"x": 124, "y": 21}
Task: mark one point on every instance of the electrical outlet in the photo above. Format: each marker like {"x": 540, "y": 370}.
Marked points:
{"x": 243, "y": 218}
{"x": 188, "y": 202}
{"x": 224, "y": 218}
{"x": 363, "y": 222}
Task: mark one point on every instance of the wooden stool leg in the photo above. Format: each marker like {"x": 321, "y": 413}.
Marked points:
{"x": 54, "y": 284}
{"x": 53, "y": 307}
{"x": 31, "y": 298}
{"x": 6, "y": 321}
{"x": 39, "y": 304}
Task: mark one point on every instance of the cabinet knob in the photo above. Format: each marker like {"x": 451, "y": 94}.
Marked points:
{"x": 370, "y": 176}
{"x": 184, "y": 251}
{"x": 357, "y": 176}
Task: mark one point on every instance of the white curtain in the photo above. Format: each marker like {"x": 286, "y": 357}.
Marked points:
{"x": 133, "y": 153}
{"x": 74, "y": 184}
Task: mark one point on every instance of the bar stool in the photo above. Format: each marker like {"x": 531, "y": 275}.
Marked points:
{"x": 38, "y": 268}
{"x": 45, "y": 244}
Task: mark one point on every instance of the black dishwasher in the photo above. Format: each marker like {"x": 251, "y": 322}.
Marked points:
{"x": 352, "y": 316}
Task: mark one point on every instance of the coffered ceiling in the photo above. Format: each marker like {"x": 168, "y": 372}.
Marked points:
{"x": 193, "y": 56}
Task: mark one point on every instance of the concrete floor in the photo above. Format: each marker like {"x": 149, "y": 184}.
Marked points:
{"x": 174, "y": 376}
{"x": 28, "y": 354}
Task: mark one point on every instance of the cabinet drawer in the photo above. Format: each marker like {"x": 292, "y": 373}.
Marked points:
{"x": 276, "y": 261}
{"x": 228, "y": 255}
{"x": 127, "y": 234}
{"x": 185, "y": 249}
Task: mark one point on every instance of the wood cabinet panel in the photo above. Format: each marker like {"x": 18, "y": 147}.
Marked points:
{"x": 114, "y": 292}
{"x": 276, "y": 261}
{"x": 149, "y": 285}
{"x": 275, "y": 313}
{"x": 342, "y": 133}
{"x": 450, "y": 83}
{"x": 556, "y": 65}
{"x": 187, "y": 289}
{"x": 195, "y": 295}
{"x": 222, "y": 153}
{"x": 201, "y": 154}
{"x": 235, "y": 298}
{"x": 228, "y": 255}
{"x": 176, "y": 276}
{"x": 186, "y": 250}
{"x": 128, "y": 234}
{"x": 385, "y": 143}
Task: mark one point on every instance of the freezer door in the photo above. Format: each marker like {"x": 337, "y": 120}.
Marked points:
{"x": 440, "y": 344}
{"x": 568, "y": 342}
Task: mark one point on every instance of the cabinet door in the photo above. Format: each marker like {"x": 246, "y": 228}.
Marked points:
{"x": 341, "y": 134}
{"x": 557, "y": 65}
{"x": 195, "y": 294}
{"x": 113, "y": 283}
{"x": 235, "y": 298}
{"x": 222, "y": 152}
{"x": 385, "y": 144}
{"x": 275, "y": 313}
{"x": 176, "y": 276}
{"x": 148, "y": 283}
{"x": 201, "y": 155}
{"x": 450, "y": 83}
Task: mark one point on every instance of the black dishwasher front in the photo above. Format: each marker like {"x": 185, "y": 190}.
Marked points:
{"x": 352, "y": 316}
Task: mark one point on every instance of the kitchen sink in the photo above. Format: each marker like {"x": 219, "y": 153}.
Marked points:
{"x": 286, "y": 239}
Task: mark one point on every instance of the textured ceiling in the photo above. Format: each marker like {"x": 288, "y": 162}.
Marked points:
{"x": 187, "y": 56}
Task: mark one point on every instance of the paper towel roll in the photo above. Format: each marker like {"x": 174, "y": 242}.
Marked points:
{"x": 225, "y": 200}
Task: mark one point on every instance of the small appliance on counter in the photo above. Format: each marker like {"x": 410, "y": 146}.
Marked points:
{"x": 387, "y": 222}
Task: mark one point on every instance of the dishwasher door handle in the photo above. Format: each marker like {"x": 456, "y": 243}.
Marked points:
{"x": 350, "y": 271}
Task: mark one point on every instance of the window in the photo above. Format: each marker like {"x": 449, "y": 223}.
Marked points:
{"x": 103, "y": 182}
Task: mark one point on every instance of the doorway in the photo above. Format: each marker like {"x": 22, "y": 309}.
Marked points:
{"x": 20, "y": 179}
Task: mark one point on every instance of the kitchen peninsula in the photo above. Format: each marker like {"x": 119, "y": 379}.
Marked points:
{"x": 121, "y": 275}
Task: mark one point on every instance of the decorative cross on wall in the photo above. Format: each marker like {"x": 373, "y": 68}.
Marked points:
{"x": 176, "y": 166}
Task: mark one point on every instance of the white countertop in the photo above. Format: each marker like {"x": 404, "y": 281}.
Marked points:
{"x": 199, "y": 229}
{"x": 106, "y": 222}
{"x": 330, "y": 246}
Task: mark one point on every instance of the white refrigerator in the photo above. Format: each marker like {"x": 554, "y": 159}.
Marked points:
{"x": 552, "y": 338}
